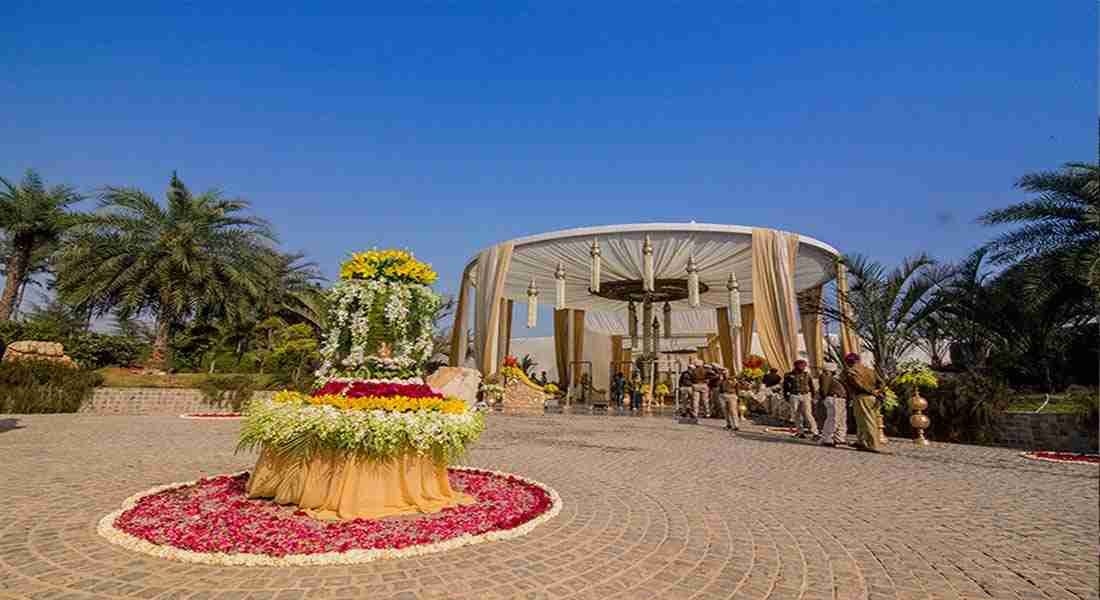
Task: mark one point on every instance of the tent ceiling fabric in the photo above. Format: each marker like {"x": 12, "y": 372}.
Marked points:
{"x": 687, "y": 322}
{"x": 718, "y": 250}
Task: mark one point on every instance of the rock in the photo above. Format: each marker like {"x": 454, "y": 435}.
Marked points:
{"x": 457, "y": 382}
{"x": 30, "y": 350}
{"x": 521, "y": 397}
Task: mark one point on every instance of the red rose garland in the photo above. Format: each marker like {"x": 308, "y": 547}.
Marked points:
{"x": 214, "y": 516}
{"x": 368, "y": 389}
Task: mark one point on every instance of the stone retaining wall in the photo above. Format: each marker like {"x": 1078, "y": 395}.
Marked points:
{"x": 1056, "y": 432}
{"x": 151, "y": 401}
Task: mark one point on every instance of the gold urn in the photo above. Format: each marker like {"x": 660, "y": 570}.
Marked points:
{"x": 917, "y": 419}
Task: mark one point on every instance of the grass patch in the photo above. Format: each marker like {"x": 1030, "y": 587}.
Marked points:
{"x": 1065, "y": 404}
{"x": 127, "y": 378}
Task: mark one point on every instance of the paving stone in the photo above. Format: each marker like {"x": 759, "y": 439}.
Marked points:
{"x": 653, "y": 510}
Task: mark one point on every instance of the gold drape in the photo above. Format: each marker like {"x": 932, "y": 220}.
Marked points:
{"x": 748, "y": 316}
{"x": 578, "y": 344}
{"x": 713, "y": 350}
{"x": 617, "y": 355}
{"x": 561, "y": 345}
{"x": 505, "y": 343}
{"x": 812, "y": 330}
{"x": 492, "y": 269}
{"x": 849, "y": 341}
{"x": 458, "y": 330}
{"x": 773, "y": 296}
{"x": 725, "y": 339}
{"x": 338, "y": 485}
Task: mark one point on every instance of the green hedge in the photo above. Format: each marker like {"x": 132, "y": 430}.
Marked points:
{"x": 35, "y": 386}
{"x": 89, "y": 349}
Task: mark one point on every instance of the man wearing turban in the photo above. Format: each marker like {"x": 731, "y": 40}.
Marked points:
{"x": 864, "y": 385}
{"x": 799, "y": 387}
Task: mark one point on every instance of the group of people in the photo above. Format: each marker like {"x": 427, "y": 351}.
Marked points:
{"x": 623, "y": 389}
{"x": 795, "y": 394}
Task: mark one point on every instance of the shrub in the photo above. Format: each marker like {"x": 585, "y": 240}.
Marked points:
{"x": 961, "y": 409}
{"x": 228, "y": 390}
{"x": 36, "y": 386}
{"x": 96, "y": 350}
{"x": 89, "y": 349}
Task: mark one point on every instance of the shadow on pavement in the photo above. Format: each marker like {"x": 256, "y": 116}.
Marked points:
{"x": 9, "y": 424}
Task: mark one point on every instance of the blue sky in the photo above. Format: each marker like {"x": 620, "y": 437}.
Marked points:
{"x": 881, "y": 128}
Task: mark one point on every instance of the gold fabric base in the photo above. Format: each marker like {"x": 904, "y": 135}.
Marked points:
{"x": 336, "y": 485}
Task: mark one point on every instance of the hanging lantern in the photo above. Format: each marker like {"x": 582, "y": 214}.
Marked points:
{"x": 668, "y": 320}
{"x": 594, "y": 252}
{"x": 632, "y": 323}
{"x": 559, "y": 287}
{"x": 532, "y": 305}
{"x": 734, "y": 301}
{"x": 656, "y": 335}
{"x": 693, "y": 281}
{"x": 647, "y": 264}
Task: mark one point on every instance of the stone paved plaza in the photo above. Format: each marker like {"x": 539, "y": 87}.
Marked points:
{"x": 652, "y": 510}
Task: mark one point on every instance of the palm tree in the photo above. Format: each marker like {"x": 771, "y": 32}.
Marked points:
{"x": 889, "y": 308}
{"x": 196, "y": 256}
{"x": 1062, "y": 221}
{"x": 969, "y": 305}
{"x": 295, "y": 291}
{"x": 32, "y": 217}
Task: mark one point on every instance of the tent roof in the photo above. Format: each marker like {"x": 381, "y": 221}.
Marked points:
{"x": 718, "y": 251}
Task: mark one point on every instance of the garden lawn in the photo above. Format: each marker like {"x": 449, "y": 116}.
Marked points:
{"x": 129, "y": 378}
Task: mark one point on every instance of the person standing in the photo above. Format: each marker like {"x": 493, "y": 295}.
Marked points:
{"x": 799, "y": 386}
{"x": 773, "y": 395}
{"x": 727, "y": 392}
{"x": 618, "y": 387}
{"x": 700, "y": 390}
{"x": 864, "y": 385}
{"x": 635, "y": 391}
{"x": 835, "y": 397}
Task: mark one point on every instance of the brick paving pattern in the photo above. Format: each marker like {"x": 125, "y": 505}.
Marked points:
{"x": 652, "y": 510}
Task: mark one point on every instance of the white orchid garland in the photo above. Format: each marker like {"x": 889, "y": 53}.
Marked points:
{"x": 362, "y": 308}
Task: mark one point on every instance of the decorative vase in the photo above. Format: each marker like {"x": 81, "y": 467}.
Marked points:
{"x": 917, "y": 419}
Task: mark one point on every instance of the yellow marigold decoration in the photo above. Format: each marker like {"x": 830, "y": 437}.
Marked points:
{"x": 393, "y": 265}
{"x": 451, "y": 406}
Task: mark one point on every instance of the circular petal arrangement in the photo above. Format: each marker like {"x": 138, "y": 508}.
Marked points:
{"x": 212, "y": 521}
{"x": 1063, "y": 457}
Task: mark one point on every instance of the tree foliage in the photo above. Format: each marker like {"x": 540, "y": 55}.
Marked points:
{"x": 196, "y": 256}
{"x": 32, "y": 217}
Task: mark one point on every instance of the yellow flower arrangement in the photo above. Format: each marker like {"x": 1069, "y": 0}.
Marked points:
{"x": 451, "y": 406}
{"x": 394, "y": 265}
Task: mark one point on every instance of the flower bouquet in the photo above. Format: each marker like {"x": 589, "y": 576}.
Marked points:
{"x": 370, "y": 406}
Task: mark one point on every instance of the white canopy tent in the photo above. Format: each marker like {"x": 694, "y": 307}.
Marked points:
{"x": 772, "y": 268}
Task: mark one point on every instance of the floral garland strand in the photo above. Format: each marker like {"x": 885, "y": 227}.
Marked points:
{"x": 291, "y": 427}
{"x": 406, "y": 310}
{"x": 107, "y": 529}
